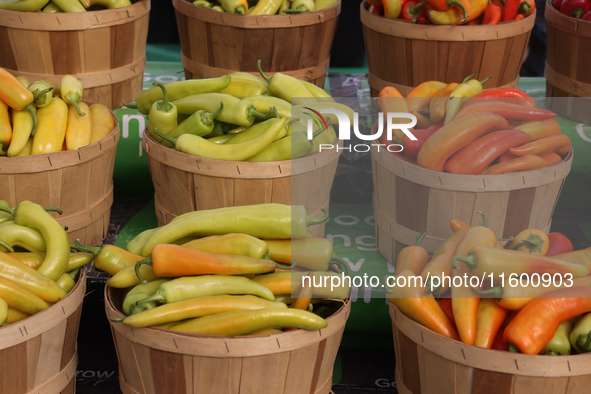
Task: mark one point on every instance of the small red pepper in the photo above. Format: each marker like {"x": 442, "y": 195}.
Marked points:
{"x": 557, "y": 4}
{"x": 422, "y": 18}
{"x": 411, "y": 147}
{"x": 586, "y": 16}
{"x": 510, "y": 10}
{"x": 492, "y": 15}
{"x": 559, "y": 244}
{"x": 508, "y": 110}
{"x": 526, "y": 7}
{"x": 411, "y": 10}
{"x": 575, "y": 8}
{"x": 445, "y": 304}
{"x": 503, "y": 92}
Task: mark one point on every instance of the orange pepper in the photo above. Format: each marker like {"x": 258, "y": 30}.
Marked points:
{"x": 582, "y": 257}
{"x": 420, "y": 97}
{"x": 535, "y": 325}
{"x": 440, "y": 262}
{"x": 489, "y": 318}
{"x": 555, "y": 143}
{"x": 5, "y": 127}
{"x": 551, "y": 158}
{"x": 16, "y": 95}
{"x": 559, "y": 244}
{"x": 524, "y": 163}
{"x": 422, "y": 308}
{"x": 79, "y": 128}
{"x": 455, "y": 135}
{"x": 413, "y": 258}
{"x": 390, "y": 100}
{"x": 457, "y": 224}
{"x": 439, "y": 102}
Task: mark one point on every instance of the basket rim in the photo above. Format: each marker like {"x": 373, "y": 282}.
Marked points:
{"x": 241, "y": 169}
{"x": 71, "y": 21}
{"x": 565, "y": 22}
{"x": 241, "y": 346}
{"x": 57, "y": 160}
{"x": 252, "y": 21}
{"x": 14, "y": 333}
{"x": 411, "y": 30}
{"x": 489, "y": 359}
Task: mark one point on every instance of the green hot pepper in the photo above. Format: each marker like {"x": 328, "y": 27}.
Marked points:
{"x": 580, "y": 337}
{"x": 267, "y": 221}
{"x": 136, "y": 245}
{"x": 163, "y": 115}
{"x": 235, "y": 111}
{"x": 57, "y": 256}
{"x": 178, "y": 90}
{"x": 263, "y": 103}
{"x": 42, "y": 91}
{"x": 286, "y": 87}
{"x": 559, "y": 345}
{"x": 5, "y": 216}
{"x": 257, "y": 130}
{"x": 140, "y": 292}
{"x": 23, "y": 5}
{"x": 198, "y": 146}
{"x": 200, "y": 123}
{"x": 13, "y": 234}
{"x": 319, "y": 93}
{"x": 221, "y": 139}
{"x": 219, "y": 129}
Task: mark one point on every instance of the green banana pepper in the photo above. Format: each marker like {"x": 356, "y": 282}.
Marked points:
{"x": 559, "y": 344}
{"x": 178, "y": 90}
{"x": 580, "y": 337}
{"x": 25, "y": 237}
{"x": 235, "y": 111}
{"x": 285, "y": 87}
{"x": 320, "y": 94}
{"x": 219, "y": 129}
{"x": 57, "y": 255}
{"x": 163, "y": 115}
{"x": 241, "y": 87}
{"x": 221, "y": 139}
{"x": 289, "y": 148}
{"x": 201, "y": 123}
{"x": 137, "y": 243}
{"x": 263, "y": 103}
{"x": 198, "y": 146}
{"x": 255, "y": 131}
{"x": 5, "y": 216}
{"x": 23, "y": 5}
{"x": 139, "y": 292}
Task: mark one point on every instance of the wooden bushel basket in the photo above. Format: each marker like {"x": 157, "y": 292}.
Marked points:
{"x": 80, "y": 182}
{"x": 38, "y": 354}
{"x": 567, "y": 71}
{"x": 185, "y": 183}
{"x": 105, "y": 49}
{"x": 409, "y": 198}
{"x": 429, "y": 363}
{"x": 404, "y": 54}
{"x": 153, "y": 360}
{"x": 215, "y": 43}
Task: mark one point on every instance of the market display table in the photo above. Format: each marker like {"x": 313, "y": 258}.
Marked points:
{"x": 366, "y": 357}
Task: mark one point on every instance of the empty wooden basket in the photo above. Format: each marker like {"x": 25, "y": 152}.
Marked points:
{"x": 217, "y": 43}
{"x": 152, "y": 360}
{"x": 409, "y": 198}
{"x": 80, "y": 182}
{"x": 567, "y": 71}
{"x": 38, "y": 354}
{"x": 428, "y": 363}
{"x": 404, "y": 54}
{"x": 185, "y": 183}
{"x": 105, "y": 49}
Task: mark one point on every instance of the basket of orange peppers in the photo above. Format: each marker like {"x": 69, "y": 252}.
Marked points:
{"x": 454, "y": 12}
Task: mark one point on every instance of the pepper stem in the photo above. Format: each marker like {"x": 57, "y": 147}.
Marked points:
{"x": 532, "y": 245}
{"x": 8, "y": 247}
{"x": 469, "y": 77}
{"x": 485, "y": 79}
{"x": 420, "y": 238}
{"x": 295, "y": 11}
{"x": 341, "y": 263}
{"x": 219, "y": 111}
{"x": 8, "y": 210}
{"x": 166, "y": 137}
{"x": 2, "y": 151}
{"x": 146, "y": 261}
{"x": 90, "y": 249}
{"x": 284, "y": 267}
{"x": 240, "y": 10}
{"x": 513, "y": 348}
{"x": 484, "y": 220}
{"x": 155, "y": 297}
{"x": 551, "y": 353}
{"x": 165, "y": 105}
{"x": 509, "y": 240}
{"x": 524, "y": 8}
{"x": 266, "y": 78}
{"x": 429, "y": 286}
{"x": 496, "y": 291}
{"x": 471, "y": 260}
{"x": 31, "y": 111}
{"x": 53, "y": 209}
{"x": 259, "y": 115}
{"x": 75, "y": 104}
{"x": 40, "y": 93}
{"x": 450, "y": 3}
{"x": 130, "y": 105}
{"x": 312, "y": 221}
{"x": 118, "y": 319}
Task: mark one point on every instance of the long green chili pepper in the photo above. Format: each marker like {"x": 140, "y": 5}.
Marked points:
{"x": 137, "y": 293}
{"x": 198, "y": 146}
{"x": 267, "y": 221}
{"x": 5, "y": 216}
{"x": 285, "y": 87}
{"x": 257, "y": 130}
{"x": 235, "y": 111}
{"x": 163, "y": 115}
{"x": 200, "y": 123}
{"x": 22, "y": 236}
{"x": 178, "y": 90}
{"x": 57, "y": 256}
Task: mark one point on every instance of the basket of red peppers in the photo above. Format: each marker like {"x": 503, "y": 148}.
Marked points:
{"x": 525, "y": 300}
{"x": 579, "y": 9}
{"x": 454, "y": 12}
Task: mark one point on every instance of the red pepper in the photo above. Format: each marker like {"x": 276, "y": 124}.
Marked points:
{"x": 422, "y": 18}
{"x": 575, "y": 8}
{"x": 503, "y": 92}
{"x": 526, "y": 7}
{"x": 443, "y": 5}
{"x": 586, "y": 16}
{"x": 558, "y": 244}
{"x": 510, "y": 10}
{"x": 472, "y": 159}
{"x": 526, "y": 101}
{"x": 499, "y": 343}
{"x": 411, "y": 10}
{"x": 508, "y": 110}
{"x": 492, "y": 15}
{"x": 445, "y": 304}
{"x": 557, "y": 4}
{"x": 412, "y": 148}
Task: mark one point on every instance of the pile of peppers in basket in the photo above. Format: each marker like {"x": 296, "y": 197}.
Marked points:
{"x": 532, "y": 313}
{"x": 37, "y": 268}
{"x": 462, "y": 129}
{"x": 42, "y": 117}
{"x": 579, "y": 9}
{"x": 265, "y": 7}
{"x": 245, "y": 270}
{"x": 240, "y": 116}
{"x": 454, "y": 12}
{"x": 53, "y": 6}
